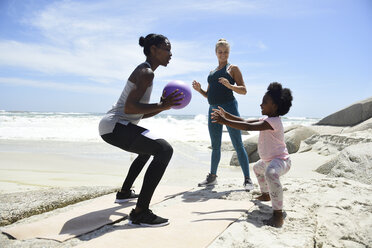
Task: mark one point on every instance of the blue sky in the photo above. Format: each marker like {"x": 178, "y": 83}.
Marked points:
{"x": 75, "y": 56}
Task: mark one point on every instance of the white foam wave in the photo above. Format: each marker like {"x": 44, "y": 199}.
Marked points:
{"x": 46, "y": 126}
{"x": 84, "y": 126}
{"x": 170, "y": 128}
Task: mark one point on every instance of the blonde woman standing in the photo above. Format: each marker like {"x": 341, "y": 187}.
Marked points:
{"x": 223, "y": 81}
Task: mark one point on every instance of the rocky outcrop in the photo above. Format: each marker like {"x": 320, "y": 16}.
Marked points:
{"x": 294, "y": 137}
{"x": 351, "y": 115}
{"x": 365, "y": 125}
{"x": 326, "y": 144}
{"x": 16, "y": 206}
{"x": 250, "y": 146}
{"x": 354, "y": 162}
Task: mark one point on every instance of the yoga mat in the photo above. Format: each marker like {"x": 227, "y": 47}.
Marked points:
{"x": 84, "y": 218}
{"x": 192, "y": 224}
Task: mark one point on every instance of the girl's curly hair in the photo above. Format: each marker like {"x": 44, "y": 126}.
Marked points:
{"x": 281, "y": 97}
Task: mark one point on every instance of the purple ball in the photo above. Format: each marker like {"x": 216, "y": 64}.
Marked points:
{"x": 182, "y": 87}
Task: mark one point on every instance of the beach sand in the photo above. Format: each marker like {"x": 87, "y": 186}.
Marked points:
{"x": 320, "y": 211}
{"x": 40, "y": 165}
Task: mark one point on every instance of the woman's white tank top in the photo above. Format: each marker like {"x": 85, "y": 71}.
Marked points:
{"x": 117, "y": 115}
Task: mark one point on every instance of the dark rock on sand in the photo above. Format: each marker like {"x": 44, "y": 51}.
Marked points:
{"x": 351, "y": 115}
{"x": 16, "y": 206}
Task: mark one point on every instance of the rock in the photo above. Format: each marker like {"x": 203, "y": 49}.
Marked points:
{"x": 290, "y": 128}
{"x": 351, "y": 115}
{"x": 326, "y": 129}
{"x": 327, "y": 144}
{"x": 354, "y": 162}
{"x": 365, "y": 125}
{"x": 293, "y": 136}
{"x": 16, "y": 206}
{"x": 250, "y": 145}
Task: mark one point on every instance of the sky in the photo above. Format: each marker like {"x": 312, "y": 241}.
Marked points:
{"x": 75, "y": 56}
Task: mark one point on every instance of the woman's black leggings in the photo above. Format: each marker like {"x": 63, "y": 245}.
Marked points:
{"x": 130, "y": 138}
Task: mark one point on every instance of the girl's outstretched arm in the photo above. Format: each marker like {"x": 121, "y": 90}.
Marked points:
{"x": 219, "y": 116}
{"x": 232, "y": 117}
{"x": 227, "y": 115}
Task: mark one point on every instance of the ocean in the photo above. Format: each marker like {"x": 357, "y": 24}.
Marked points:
{"x": 76, "y": 135}
{"x": 83, "y": 127}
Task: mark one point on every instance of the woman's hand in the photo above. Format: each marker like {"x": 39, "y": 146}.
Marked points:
{"x": 225, "y": 82}
{"x": 196, "y": 85}
{"x": 171, "y": 100}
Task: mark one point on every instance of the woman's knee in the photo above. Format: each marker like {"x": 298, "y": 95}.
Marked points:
{"x": 168, "y": 151}
{"x": 165, "y": 151}
{"x": 236, "y": 137}
{"x": 240, "y": 150}
{"x": 216, "y": 143}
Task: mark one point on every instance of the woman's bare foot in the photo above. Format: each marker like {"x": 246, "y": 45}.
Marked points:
{"x": 264, "y": 197}
{"x": 276, "y": 220}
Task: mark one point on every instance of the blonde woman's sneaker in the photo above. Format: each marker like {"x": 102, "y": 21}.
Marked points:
{"x": 248, "y": 185}
{"x": 146, "y": 219}
{"x": 122, "y": 197}
{"x": 210, "y": 180}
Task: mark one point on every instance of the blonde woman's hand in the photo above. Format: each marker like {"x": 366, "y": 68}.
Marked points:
{"x": 225, "y": 82}
{"x": 196, "y": 85}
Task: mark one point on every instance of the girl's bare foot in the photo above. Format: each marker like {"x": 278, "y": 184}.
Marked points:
{"x": 263, "y": 197}
{"x": 276, "y": 220}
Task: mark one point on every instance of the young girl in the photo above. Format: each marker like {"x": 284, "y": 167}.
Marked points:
{"x": 119, "y": 128}
{"x": 275, "y": 160}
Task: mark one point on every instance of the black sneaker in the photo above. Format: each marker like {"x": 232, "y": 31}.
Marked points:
{"x": 248, "y": 185}
{"x": 122, "y": 197}
{"x": 146, "y": 219}
{"x": 210, "y": 180}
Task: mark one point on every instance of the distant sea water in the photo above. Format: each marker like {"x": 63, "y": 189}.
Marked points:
{"x": 83, "y": 127}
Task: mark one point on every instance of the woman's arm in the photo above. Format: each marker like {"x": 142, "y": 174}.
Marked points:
{"x": 154, "y": 113}
{"x": 196, "y": 85}
{"x": 238, "y": 77}
{"x": 133, "y": 104}
{"x": 150, "y": 114}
